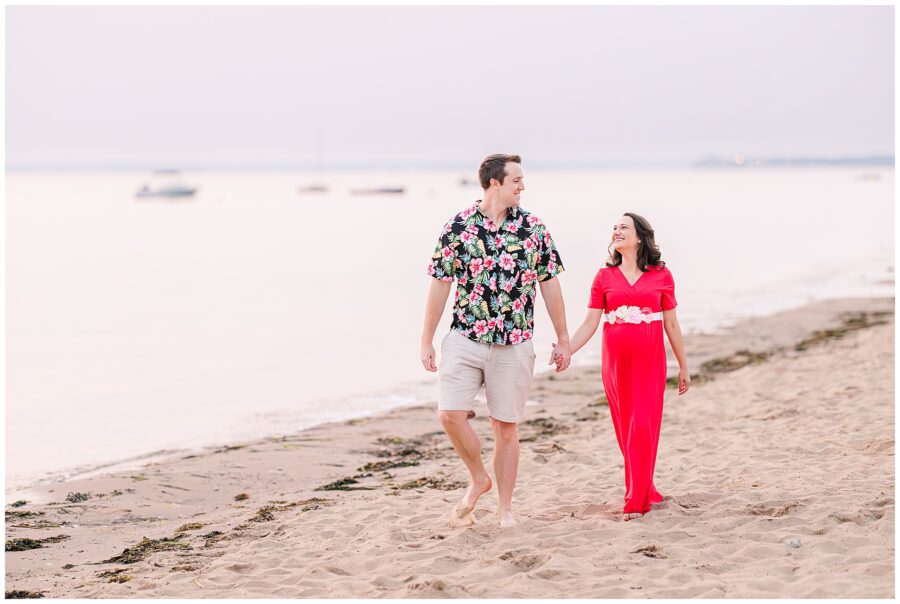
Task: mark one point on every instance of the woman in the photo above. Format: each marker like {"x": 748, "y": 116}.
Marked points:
{"x": 637, "y": 293}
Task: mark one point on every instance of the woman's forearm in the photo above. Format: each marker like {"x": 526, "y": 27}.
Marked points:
{"x": 676, "y": 340}
{"x": 585, "y": 332}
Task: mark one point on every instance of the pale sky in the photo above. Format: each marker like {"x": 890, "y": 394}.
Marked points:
{"x": 423, "y": 85}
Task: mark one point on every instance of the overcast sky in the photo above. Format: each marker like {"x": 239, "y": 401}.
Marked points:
{"x": 252, "y": 86}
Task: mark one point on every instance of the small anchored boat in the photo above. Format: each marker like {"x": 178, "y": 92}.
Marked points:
{"x": 379, "y": 191}
{"x": 166, "y": 183}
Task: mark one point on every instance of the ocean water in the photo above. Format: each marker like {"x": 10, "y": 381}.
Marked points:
{"x": 141, "y": 326}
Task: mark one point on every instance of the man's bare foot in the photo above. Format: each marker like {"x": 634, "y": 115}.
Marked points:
{"x": 479, "y": 487}
{"x": 461, "y": 517}
{"x": 631, "y": 516}
{"x": 507, "y": 520}
{"x": 462, "y": 514}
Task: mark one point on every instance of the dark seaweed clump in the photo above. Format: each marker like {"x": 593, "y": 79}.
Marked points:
{"x": 22, "y": 594}
{"x": 267, "y": 512}
{"x": 382, "y": 466}
{"x": 192, "y": 526}
{"x": 40, "y": 524}
{"x": 21, "y": 514}
{"x": 21, "y": 545}
{"x": 851, "y": 322}
{"x": 24, "y": 544}
{"x": 146, "y": 547}
{"x": 77, "y": 497}
{"x": 344, "y": 484}
{"x": 116, "y": 576}
{"x": 733, "y": 362}
{"x": 542, "y": 427}
{"x": 429, "y": 482}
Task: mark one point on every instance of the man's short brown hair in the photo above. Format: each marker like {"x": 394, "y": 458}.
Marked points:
{"x": 494, "y": 166}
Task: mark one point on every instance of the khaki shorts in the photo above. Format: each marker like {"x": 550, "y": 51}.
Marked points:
{"x": 505, "y": 371}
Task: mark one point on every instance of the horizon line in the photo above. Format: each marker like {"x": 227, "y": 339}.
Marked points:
{"x": 709, "y": 161}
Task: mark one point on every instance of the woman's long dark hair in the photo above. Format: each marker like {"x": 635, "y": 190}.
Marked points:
{"x": 648, "y": 253}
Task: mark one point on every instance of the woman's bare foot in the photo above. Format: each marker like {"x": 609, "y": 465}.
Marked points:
{"x": 631, "y": 516}
{"x": 462, "y": 515}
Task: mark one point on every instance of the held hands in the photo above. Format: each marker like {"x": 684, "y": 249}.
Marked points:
{"x": 562, "y": 356}
{"x": 427, "y": 356}
{"x": 684, "y": 381}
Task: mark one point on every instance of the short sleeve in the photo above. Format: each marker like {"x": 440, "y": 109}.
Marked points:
{"x": 549, "y": 263}
{"x": 598, "y": 296}
{"x": 668, "y": 291}
{"x": 444, "y": 259}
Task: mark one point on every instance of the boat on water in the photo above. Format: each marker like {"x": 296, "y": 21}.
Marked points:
{"x": 313, "y": 189}
{"x": 166, "y": 182}
{"x": 379, "y": 191}
{"x": 174, "y": 189}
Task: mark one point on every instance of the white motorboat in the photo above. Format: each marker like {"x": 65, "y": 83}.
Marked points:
{"x": 170, "y": 189}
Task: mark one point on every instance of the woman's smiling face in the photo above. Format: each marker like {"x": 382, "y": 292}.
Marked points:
{"x": 624, "y": 235}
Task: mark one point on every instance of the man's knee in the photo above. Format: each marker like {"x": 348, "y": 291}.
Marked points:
{"x": 504, "y": 431}
{"x": 450, "y": 419}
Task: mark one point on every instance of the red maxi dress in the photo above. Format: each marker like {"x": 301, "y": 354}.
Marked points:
{"x": 634, "y": 370}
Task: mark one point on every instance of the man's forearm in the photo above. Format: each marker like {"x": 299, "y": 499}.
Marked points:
{"x": 556, "y": 308}
{"x": 438, "y": 292}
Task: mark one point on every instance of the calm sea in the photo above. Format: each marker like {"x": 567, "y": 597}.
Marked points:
{"x": 139, "y": 326}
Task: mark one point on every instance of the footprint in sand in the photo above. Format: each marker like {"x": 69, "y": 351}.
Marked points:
{"x": 772, "y": 509}
{"x": 651, "y": 551}
{"x": 523, "y": 562}
{"x": 239, "y": 568}
{"x": 427, "y": 587}
{"x": 580, "y": 512}
{"x": 859, "y": 517}
{"x": 692, "y": 503}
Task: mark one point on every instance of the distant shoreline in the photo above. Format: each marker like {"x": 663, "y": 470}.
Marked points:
{"x": 717, "y": 161}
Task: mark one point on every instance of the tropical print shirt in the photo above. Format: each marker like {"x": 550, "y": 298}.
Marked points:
{"x": 496, "y": 271}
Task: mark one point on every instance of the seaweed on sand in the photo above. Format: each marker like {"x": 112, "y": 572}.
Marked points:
{"x": 191, "y": 526}
{"x": 441, "y": 484}
{"x": 146, "y": 547}
{"x": 21, "y": 545}
{"x": 381, "y": 466}
{"x": 24, "y": 543}
{"x": 21, "y": 514}
{"x": 40, "y": 524}
{"x": 267, "y": 513}
{"x": 542, "y": 427}
{"x": 343, "y": 484}
{"x": 15, "y": 594}
{"x": 116, "y": 576}
{"x": 851, "y": 322}
{"x": 734, "y": 361}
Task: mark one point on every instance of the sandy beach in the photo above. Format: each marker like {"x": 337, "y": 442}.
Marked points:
{"x": 777, "y": 466}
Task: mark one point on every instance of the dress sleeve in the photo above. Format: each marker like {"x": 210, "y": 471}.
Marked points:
{"x": 598, "y": 296}
{"x": 667, "y": 291}
{"x": 444, "y": 261}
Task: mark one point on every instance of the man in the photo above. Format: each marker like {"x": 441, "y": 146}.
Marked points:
{"x": 498, "y": 253}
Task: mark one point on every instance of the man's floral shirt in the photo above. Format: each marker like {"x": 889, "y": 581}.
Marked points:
{"x": 496, "y": 270}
